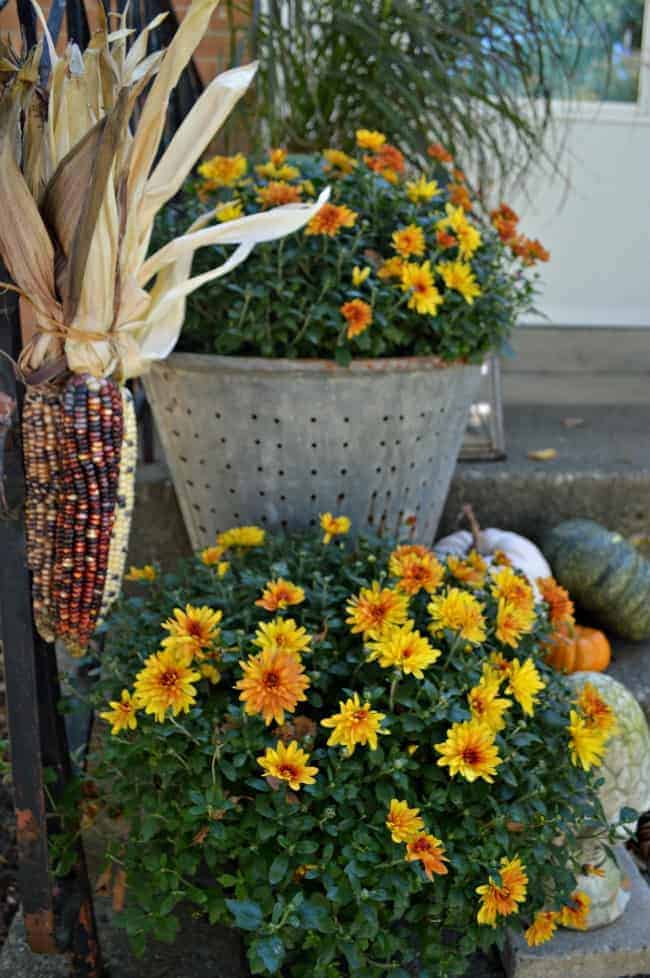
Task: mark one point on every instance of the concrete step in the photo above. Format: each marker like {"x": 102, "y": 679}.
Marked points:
{"x": 601, "y": 471}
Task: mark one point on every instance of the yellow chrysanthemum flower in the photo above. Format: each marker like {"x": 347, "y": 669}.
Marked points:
{"x": 402, "y": 647}
{"x": 470, "y": 751}
{"x": 241, "y": 536}
{"x": 421, "y": 190}
{"x": 496, "y": 666}
{"x": 459, "y": 276}
{"x": 459, "y": 611}
{"x": 282, "y": 635}
{"x": 501, "y": 899}
{"x": 472, "y": 570}
{"x": 586, "y": 743}
{"x": 210, "y": 672}
{"x": 274, "y": 683}
{"x": 596, "y": 711}
{"x": 486, "y": 704}
{"x": 576, "y": 914}
{"x": 409, "y": 241}
{"x": 271, "y": 171}
{"x": 288, "y": 762}
{"x": 370, "y": 139}
{"x": 122, "y": 713}
{"x": 429, "y": 851}
{"x": 418, "y": 280}
{"x": 513, "y": 622}
{"x": 211, "y": 556}
{"x": 223, "y": 171}
{"x": 339, "y": 161}
{"x": 404, "y": 823}
{"x": 525, "y": 684}
{"x": 229, "y": 211}
{"x": 354, "y": 724}
{"x": 280, "y": 594}
{"x": 278, "y": 156}
{"x": 146, "y": 573}
{"x": 542, "y": 928}
{"x": 469, "y": 237}
{"x": 166, "y": 683}
{"x": 223, "y": 567}
{"x": 359, "y": 275}
{"x": 513, "y": 588}
{"x": 416, "y": 572}
{"x": 374, "y": 608}
{"x": 192, "y": 632}
{"x": 333, "y": 526}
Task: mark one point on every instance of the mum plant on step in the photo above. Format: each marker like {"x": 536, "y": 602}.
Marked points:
{"x": 80, "y": 187}
{"x": 357, "y": 757}
{"x": 340, "y": 373}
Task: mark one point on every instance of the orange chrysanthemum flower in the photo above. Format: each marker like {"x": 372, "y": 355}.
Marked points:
{"x": 358, "y": 316}
{"x": 560, "y": 605}
{"x": 280, "y": 594}
{"x": 429, "y": 851}
{"x": 277, "y": 193}
{"x": 409, "y": 241}
{"x": 274, "y": 682}
{"x": 438, "y": 152}
{"x": 417, "y": 573}
{"x": 330, "y": 219}
{"x": 288, "y": 762}
{"x": 459, "y": 195}
{"x": 501, "y": 899}
{"x": 445, "y": 239}
{"x": 374, "y": 608}
{"x": 596, "y": 711}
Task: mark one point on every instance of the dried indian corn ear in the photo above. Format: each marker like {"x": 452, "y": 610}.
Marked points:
{"x": 124, "y": 509}
{"x": 91, "y": 439}
{"x": 41, "y": 424}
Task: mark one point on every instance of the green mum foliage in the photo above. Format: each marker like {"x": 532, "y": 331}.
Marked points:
{"x": 309, "y": 874}
{"x": 291, "y": 299}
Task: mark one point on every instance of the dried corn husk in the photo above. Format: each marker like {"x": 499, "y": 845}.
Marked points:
{"x": 77, "y": 223}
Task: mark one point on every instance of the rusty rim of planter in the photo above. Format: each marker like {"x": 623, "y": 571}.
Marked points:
{"x": 201, "y": 362}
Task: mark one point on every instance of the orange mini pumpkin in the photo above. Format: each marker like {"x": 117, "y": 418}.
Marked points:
{"x": 579, "y": 649}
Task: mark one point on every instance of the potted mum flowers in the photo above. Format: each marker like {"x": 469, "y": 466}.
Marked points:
{"x": 338, "y": 370}
{"x": 358, "y": 758}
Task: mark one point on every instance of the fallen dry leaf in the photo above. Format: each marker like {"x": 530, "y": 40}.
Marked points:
{"x": 119, "y": 891}
{"x": 543, "y": 455}
{"x": 573, "y": 422}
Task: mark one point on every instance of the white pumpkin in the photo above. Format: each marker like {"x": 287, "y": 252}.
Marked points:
{"x": 523, "y": 554}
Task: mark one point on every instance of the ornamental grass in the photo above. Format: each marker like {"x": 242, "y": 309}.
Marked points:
{"x": 362, "y": 779}
{"x": 403, "y": 260}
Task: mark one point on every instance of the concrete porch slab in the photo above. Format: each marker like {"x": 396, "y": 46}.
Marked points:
{"x": 620, "y": 949}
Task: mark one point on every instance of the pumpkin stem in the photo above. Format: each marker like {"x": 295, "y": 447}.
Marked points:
{"x": 474, "y": 526}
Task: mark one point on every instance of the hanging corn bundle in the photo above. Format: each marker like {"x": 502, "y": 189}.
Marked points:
{"x": 79, "y": 190}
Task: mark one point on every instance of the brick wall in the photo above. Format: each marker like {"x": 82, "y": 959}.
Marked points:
{"x": 212, "y": 55}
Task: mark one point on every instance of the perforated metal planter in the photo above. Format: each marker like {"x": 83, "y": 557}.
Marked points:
{"x": 276, "y": 442}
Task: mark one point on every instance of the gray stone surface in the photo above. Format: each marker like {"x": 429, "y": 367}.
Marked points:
{"x": 620, "y": 949}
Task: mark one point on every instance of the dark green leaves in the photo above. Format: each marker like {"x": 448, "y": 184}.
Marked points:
{"x": 248, "y": 915}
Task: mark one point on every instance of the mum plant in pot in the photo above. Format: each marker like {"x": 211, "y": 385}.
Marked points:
{"x": 339, "y": 369}
{"x": 357, "y": 758}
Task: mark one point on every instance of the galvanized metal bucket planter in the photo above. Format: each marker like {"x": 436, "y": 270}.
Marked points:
{"x": 276, "y": 442}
